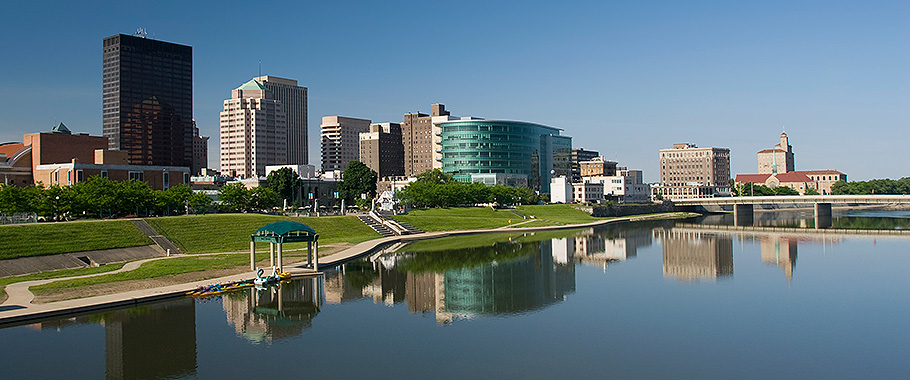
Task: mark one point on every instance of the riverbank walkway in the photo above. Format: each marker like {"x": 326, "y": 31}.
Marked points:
{"x": 19, "y": 309}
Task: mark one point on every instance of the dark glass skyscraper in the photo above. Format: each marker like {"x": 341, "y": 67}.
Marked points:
{"x": 148, "y": 100}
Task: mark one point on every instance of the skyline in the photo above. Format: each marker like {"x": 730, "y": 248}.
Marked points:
{"x": 622, "y": 78}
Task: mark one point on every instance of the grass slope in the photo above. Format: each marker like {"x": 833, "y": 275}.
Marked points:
{"x": 55, "y": 238}
{"x": 559, "y": 214}
{"x": 55, "y": 274}
{"x": 231, "y": 232}
{"x": 465, "y": 218}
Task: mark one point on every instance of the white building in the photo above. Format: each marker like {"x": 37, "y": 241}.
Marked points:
{"x": 588, "y": 192}
{"x": 561, "y": 190}
{"x": 253, "y": 131}
{"x": 625, "y": 187}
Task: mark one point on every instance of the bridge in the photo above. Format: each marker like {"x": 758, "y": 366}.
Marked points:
{"x": 743, "y": 206}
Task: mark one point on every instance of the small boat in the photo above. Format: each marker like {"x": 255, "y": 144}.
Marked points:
{"x": 259, "y": 282}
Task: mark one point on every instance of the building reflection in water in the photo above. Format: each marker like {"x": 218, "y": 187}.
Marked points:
{"x": 780, "y": 251}
{"x": 603, "y": 246}
{"x": 274, "y": 313}
{"x": 691, "y": 255}
{"x": 504, "y": 278}
{"x": 167, "y": 329}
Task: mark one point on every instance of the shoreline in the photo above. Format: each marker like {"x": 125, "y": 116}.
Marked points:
{"x": 13, "y": 313}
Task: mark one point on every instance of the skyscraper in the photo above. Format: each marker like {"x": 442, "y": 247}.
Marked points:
{"x": 381, "y": 149}
{"x": 294, "y": 99}
{"x": 147, "y": 102}
{"x": 341, "y": 140}
{"x": 253, "y": 131}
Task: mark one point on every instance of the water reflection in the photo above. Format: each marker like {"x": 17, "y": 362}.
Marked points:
{"x": 505, "y": 277}
{"x": 274, "y": 313}
{"x": 136, "y": 348}
{"x": 691, "y": 255}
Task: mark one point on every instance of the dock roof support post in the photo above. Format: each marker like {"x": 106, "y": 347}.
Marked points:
{"x": 272, "y": 255}
{"x": 309, "y": 253}
{"x": 252, "y": 255}
{"x": 315, "y": 255}
{"x": 279, "y": 257}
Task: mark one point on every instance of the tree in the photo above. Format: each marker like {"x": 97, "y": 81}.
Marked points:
{"x": 263, "y": 198}
{"x": 811, "y": 191}
{"x": 357, "y": 179}
{"x": 234, "y": 197}
{"x": 282, "y": 182}
{"x": 200, "y": 202}
{"x": 435, "y": 176}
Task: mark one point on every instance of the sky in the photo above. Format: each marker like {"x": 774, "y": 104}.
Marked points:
{"x": 625, "y": 78}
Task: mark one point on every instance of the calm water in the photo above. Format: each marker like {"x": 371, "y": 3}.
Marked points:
{"x": 632, "y": 301}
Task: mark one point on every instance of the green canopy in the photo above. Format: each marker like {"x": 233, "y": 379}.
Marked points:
{"x": 284, "y": 231}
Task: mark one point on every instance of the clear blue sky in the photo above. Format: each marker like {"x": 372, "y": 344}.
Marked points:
{"x": 626, "y": 78}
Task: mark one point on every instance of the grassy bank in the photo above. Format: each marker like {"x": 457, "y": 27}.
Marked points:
{"x": 55, "y": 238}
{"x": 231, "y": 232}
{"x": 463, "y": 218}
{"x": 54, "y": 274}
{"x": 557, "y": 214}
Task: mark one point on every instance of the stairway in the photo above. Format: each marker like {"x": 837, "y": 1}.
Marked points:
{"x": 410, "y": 229}
{"x": 376, "y": 226}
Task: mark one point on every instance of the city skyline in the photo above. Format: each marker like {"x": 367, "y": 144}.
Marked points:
{"x": 625, "y": 79}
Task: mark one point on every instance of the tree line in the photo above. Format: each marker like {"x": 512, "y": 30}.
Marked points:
{"x": 101, "y": 197}
{"x": 874, "y": 186}
{"x": 437, "y": 189}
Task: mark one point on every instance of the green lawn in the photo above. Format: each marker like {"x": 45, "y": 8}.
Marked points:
{"x": 152, "y": 269}
{"x": 54, "y": 238}
{"x": 231, "y": 232}
{"x": 462, "y": 218}
{"x": 56, "y": 274}
{"x": 559, "y": 214}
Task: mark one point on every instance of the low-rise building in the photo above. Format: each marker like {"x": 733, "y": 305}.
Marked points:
{"x": 588, "y": 192}
{"x": 561, "y": 190}
{"x": 625, "y": 187}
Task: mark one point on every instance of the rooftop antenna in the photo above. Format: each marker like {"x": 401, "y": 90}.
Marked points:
{"x": 141, "y": 33}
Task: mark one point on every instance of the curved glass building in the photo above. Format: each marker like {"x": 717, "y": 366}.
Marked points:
{"x": 504, "y": 152}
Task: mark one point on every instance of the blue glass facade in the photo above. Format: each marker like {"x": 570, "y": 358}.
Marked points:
{"x": 497, "y": 146}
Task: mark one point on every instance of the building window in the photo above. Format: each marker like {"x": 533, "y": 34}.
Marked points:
{"x": 69, "y": 177}
{"x": 56, "y": 179}
{"x": 166, "y": 180}
{"x": 186, "y": 178}
{"x": 139, "y": 176}
{"x": 104, "y": 174}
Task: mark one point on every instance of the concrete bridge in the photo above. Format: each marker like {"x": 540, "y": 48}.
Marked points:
{"x": 743, "y": 206}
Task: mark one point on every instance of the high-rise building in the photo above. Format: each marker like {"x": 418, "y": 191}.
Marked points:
{"x": 200, "y": 151}
{"x": 778, "y": 159}
{"x": 420, "y": 141}
{"x": 147, "y": 100}
{"x": 253, "y": 131}
{"x": 341, "y": 141}
{"x": 474, "y": 149}
{"x": 294, "y": 99}
{"x": 381, "y": 149}
{"x": 687, "y": 171}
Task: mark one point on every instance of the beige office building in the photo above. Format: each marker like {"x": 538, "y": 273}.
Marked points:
{"x": 294, "y": 100}
{"x": 253, "y": 131}
{"x": 341, "y": 141}
{"x": 687, "y": 171}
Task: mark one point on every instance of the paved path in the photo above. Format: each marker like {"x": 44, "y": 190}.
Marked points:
{"x": 19, "y": 309}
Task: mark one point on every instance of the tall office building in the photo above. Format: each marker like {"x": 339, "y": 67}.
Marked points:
{"x": 294, "y": 99}
{"x": 341, "y": 141}
{"x": 200, "y": 151}
{"x": 253, "y": 131}
{"x": 148, "y": 100}
{"x": 381, "y": 149}
{"x": 420, "y": 141}
{"x": 687, "y": 171}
